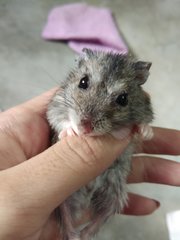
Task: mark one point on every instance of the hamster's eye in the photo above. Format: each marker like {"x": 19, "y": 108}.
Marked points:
{"x": 122, "y": 99}
{"x": 84, "y": 82}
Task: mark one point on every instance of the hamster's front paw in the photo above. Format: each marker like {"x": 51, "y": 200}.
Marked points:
{"x": 146, "y": 131}
{"x": 66, "y": 132}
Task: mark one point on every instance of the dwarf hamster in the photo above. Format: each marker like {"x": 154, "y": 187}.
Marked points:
{"x": 102, "y": 94}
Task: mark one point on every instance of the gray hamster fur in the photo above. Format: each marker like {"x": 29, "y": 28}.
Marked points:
{"x": 101, "y": 95}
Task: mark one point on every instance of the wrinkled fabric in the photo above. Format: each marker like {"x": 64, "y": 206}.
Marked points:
{"x": 84, "y": 26}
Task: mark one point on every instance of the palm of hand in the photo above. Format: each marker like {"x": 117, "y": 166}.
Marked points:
{"x": 26, "y": 131}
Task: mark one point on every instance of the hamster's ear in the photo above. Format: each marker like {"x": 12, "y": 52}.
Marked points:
{"x": 83, "y": 57}
{"x": 141, "y": 71}
{"x": 88, "y": 53}
{"x": 79, "y": 61}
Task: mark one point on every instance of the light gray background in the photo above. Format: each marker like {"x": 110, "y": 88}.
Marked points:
{"x": 30, "y": 65}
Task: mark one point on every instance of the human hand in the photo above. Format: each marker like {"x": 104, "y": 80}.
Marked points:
{"x": 153, "y": 169}
{"x": 31, "y": 190}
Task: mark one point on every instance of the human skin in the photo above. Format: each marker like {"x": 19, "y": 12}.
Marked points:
{"x": 31, "y": 190}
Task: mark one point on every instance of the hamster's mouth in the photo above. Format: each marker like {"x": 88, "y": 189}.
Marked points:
{"x": 84, "y": 124}
{"x": 84, "y": 128}
{"x": 79, "y": 125}
{"x": 73, "y": 132}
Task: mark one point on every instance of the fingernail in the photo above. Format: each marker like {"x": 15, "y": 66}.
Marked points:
{"x": 157, "y": 203}
{"x": 121, "y": 134}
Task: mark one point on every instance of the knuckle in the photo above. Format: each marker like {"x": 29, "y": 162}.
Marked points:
{"x": 90, "y": 155}
{"x": 81, "y": 148}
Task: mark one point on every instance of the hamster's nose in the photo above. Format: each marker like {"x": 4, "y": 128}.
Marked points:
{"x": 87, "y": 125}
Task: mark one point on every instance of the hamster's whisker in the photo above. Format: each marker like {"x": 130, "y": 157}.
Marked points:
{"x": 66, "y": 102}
{"x": 78, "y": 104}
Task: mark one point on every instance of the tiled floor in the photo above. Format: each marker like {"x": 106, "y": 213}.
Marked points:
{"x": 29, "y": 66}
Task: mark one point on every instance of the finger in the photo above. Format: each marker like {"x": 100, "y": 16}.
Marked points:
{"x": 139, "y": 205}
{"x": 24, "y": 124}
{"x": 154, "y": 170}
{"x": 165, "y": 141}
{"x": 39, "y": 103}
{"x": 36, "y": 187}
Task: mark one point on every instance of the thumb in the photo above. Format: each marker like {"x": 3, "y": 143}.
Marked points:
{"x": 43, "y": 182}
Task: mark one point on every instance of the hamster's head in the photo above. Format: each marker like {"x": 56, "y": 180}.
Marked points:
{"x": 104, "y": 93}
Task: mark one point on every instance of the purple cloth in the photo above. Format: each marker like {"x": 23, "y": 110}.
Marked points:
{"x": 84, "y": 26}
